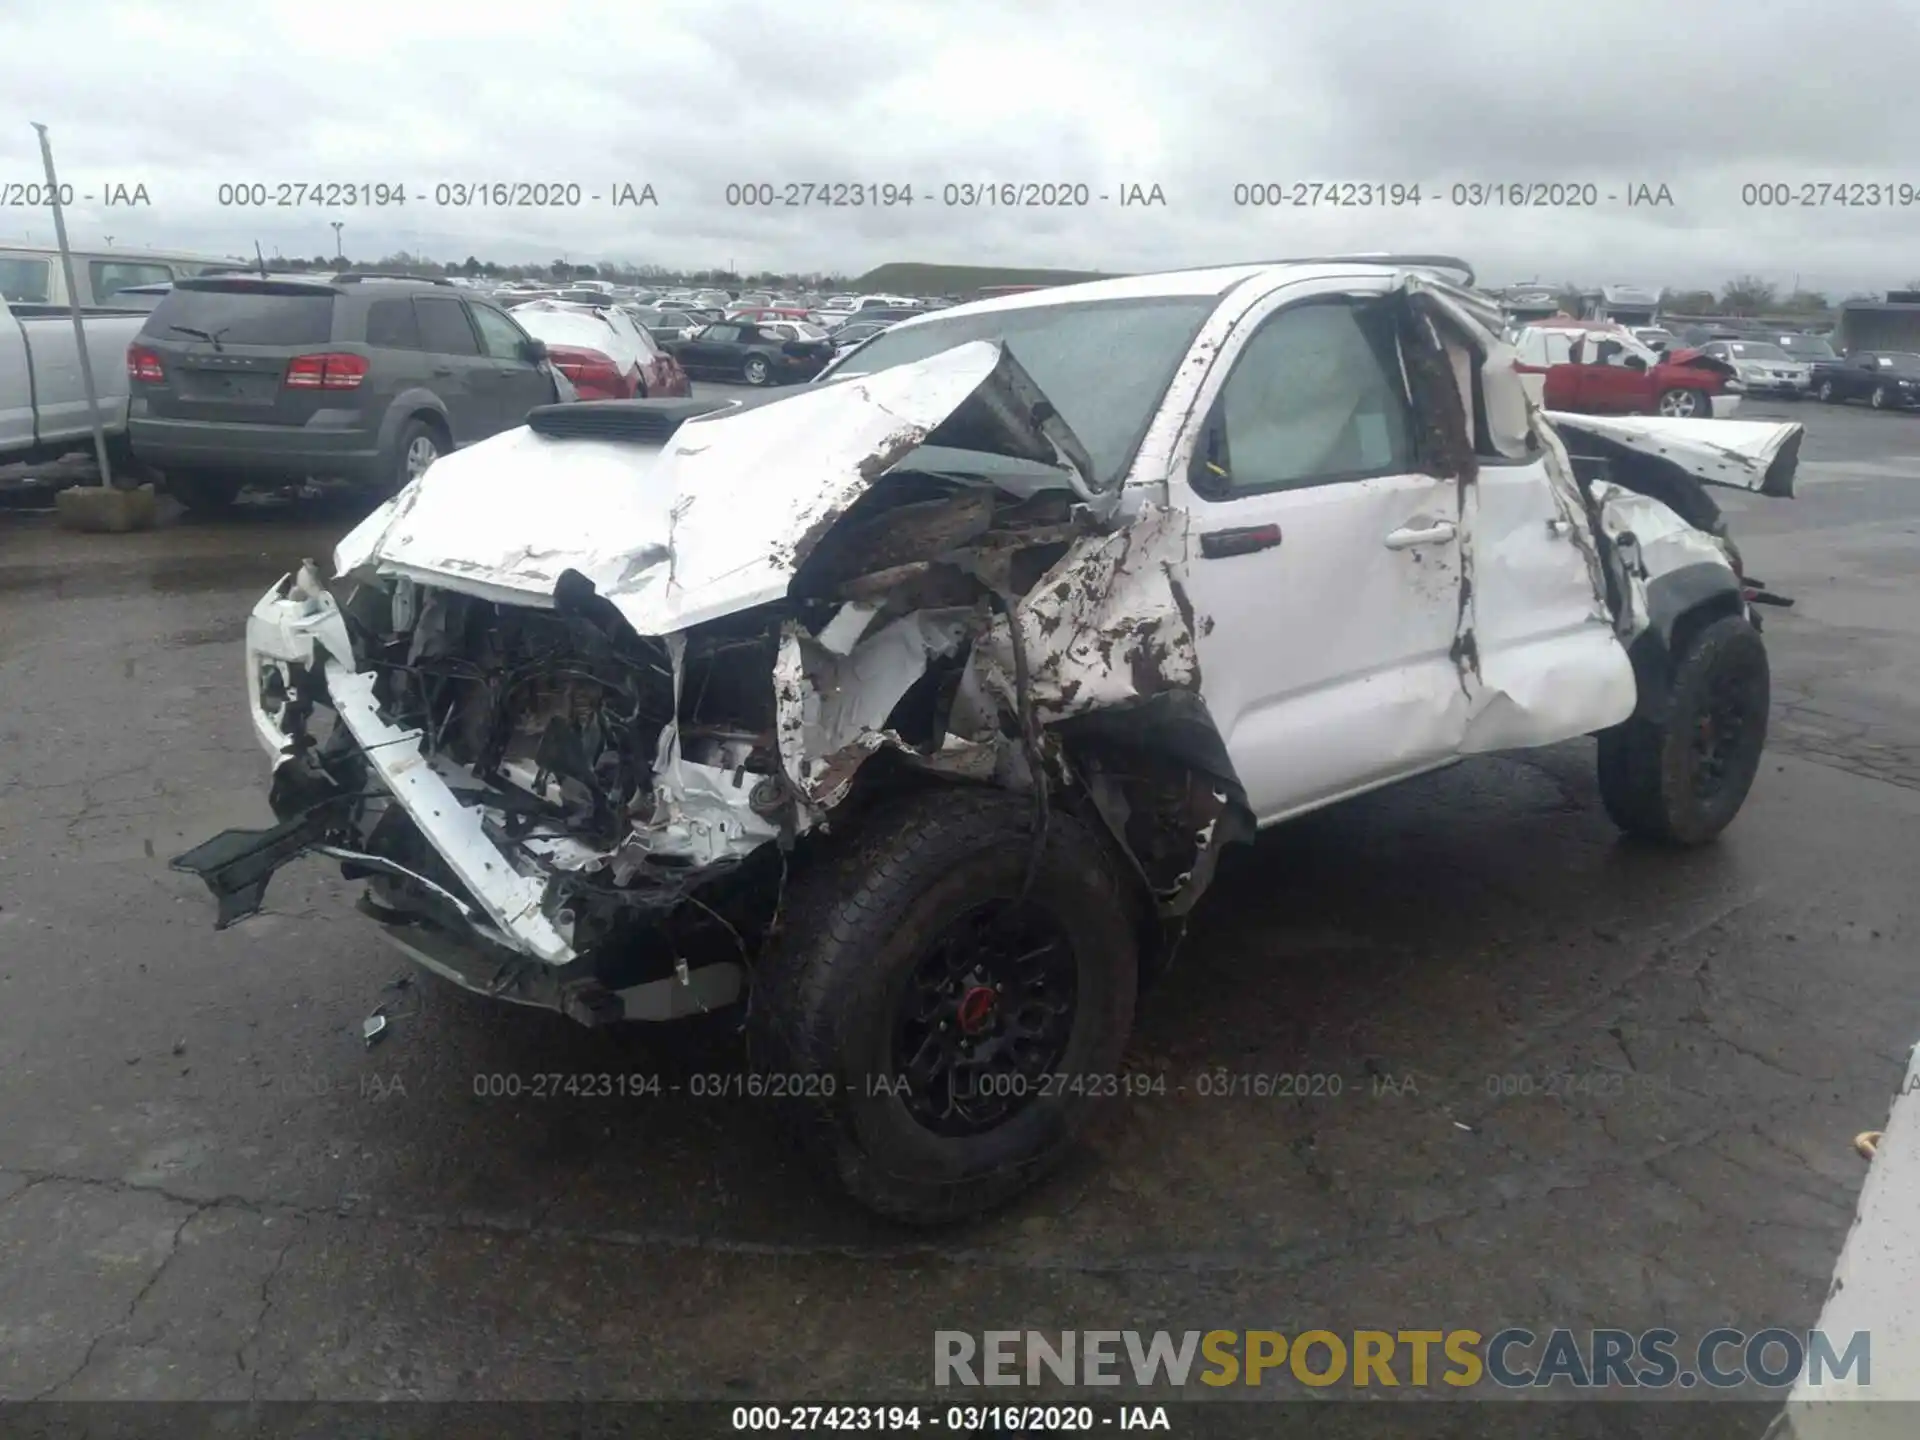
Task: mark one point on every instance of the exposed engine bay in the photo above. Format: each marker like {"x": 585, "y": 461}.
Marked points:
{"x": 638, "y": 769}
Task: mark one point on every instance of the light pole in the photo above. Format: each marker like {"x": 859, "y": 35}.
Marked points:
{"x": 338, "y": 226}
{"x": 73, "y": 308}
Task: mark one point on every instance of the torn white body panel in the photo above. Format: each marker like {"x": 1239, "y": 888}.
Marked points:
{"x": 1661, "y": 542}
{"x": 1741, "y": 454}
{"x": 1539, "y": 658}
{"x": 702, "y": 813}
{"x": 832, "y": 706}
{"x": 296, "y": 622}
{"x": 456, "y": 830}
{"x": 716, "y": 521}
{"x": 1107, "y": 626}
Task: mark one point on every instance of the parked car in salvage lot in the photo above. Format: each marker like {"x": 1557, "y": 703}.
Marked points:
{"x": 1762, "y": 368}
{"x": 1885, "y": 379}
{"x": 737, "y": 350}
{"x": 1599, "y": 368}
{"x": 667, "y": 324}
{"x": 920, "y": 703}
{"x": 853, "y": 332}
{"x": 362, "y": 378}
{"x": 602, "y": 351}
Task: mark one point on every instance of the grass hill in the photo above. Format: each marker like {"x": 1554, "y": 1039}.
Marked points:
{"x": 913, "y": 279}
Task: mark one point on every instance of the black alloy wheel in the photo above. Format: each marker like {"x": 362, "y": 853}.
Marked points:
{"x": 984, "y": 1018}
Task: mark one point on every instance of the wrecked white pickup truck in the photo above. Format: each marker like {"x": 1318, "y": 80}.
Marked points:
{"x": 911, "y": 711}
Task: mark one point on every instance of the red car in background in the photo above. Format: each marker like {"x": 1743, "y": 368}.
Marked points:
{"x": 602, "y": 350}
{"x": 1598, "y": 367}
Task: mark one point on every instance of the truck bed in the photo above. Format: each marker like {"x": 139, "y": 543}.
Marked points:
{"x": 43, "y": 400}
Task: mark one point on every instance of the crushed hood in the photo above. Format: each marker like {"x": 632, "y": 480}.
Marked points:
{"x": 1758, "y": 455}
{"x": 719, "y": 517}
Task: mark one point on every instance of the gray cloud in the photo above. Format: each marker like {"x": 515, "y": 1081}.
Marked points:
{"x": 1703, "y": 97}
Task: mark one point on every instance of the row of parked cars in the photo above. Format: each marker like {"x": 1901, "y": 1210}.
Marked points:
{"x": 754, "y": 337}
{"x": 233, "y": 376}
{"x": 1602, "y": 367}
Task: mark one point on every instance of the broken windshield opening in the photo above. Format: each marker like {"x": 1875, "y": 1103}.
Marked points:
{"x": 1104, "y": 364}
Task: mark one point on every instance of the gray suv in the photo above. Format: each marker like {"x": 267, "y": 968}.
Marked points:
{"x": 359, "y": 377}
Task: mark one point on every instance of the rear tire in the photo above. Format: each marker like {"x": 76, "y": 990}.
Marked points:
{"x": 756, "y": 371}
{"x": 1825, "y": 393}
{"x": 1682, "y": 780}
{"x": 202, "y": 492}
{"x": 419, "y": 445}
{"x": 906, "y": 962}
{"x": 1878, "y": 400}
{"x": 1685, "y": 404}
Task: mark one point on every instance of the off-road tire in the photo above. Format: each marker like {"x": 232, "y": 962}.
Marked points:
{"x": 201, "y": 491}
{"x": 1647, "y": 770}
{"x": 859, "y": 915}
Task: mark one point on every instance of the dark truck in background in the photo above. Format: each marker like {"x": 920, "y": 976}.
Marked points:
{"x": 361, "y": 378}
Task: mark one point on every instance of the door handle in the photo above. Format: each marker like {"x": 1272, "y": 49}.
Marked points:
{"x": 443, "y": 369}
{"x": 1406, "y": 537}
{"x": 1220, "y": 544}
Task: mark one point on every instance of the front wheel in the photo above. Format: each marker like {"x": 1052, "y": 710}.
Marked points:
{"x": 1878, "y": 400}
{"x": 1686, "y": 404}
{"x": 1682, "y": 780}
{"x": 756, "y": 370}
{"x": 1825, "y": 392}
{"x": 951, "y": 1029}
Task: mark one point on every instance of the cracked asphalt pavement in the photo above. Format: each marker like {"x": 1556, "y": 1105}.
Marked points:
{"x": 1563, "y": 1080}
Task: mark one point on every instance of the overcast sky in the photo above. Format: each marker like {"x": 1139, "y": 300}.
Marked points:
{"x": 1195, "y": 96}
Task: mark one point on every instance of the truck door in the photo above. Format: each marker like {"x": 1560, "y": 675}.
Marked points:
{"x": 1324, "y": 564}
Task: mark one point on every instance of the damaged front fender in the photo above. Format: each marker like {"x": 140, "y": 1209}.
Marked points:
{"x": 1756, "y": 455}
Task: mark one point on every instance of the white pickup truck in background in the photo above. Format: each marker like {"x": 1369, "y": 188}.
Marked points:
{"x": 43, "y": 398}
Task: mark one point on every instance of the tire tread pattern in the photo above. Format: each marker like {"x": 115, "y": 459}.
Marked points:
{"x": 840, "y": 908}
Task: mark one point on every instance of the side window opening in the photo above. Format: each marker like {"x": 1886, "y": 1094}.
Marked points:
{"x": 1318, "y": 395}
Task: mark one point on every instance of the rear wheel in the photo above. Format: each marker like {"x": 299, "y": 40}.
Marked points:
{"x": 756, "y": 370}
{"x": 1878, "y": 400}
{"x": 949, "y": 1026}
{"x": 201, "y": 490}
{"x": 1686, "y": 404}
{"x": 419, "y": 445}
{"x": 1826, "y": 392}
{"x": 1683, "y": 779}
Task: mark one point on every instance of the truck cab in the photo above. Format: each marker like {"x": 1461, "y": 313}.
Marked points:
{"x": 33, "y": 275}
